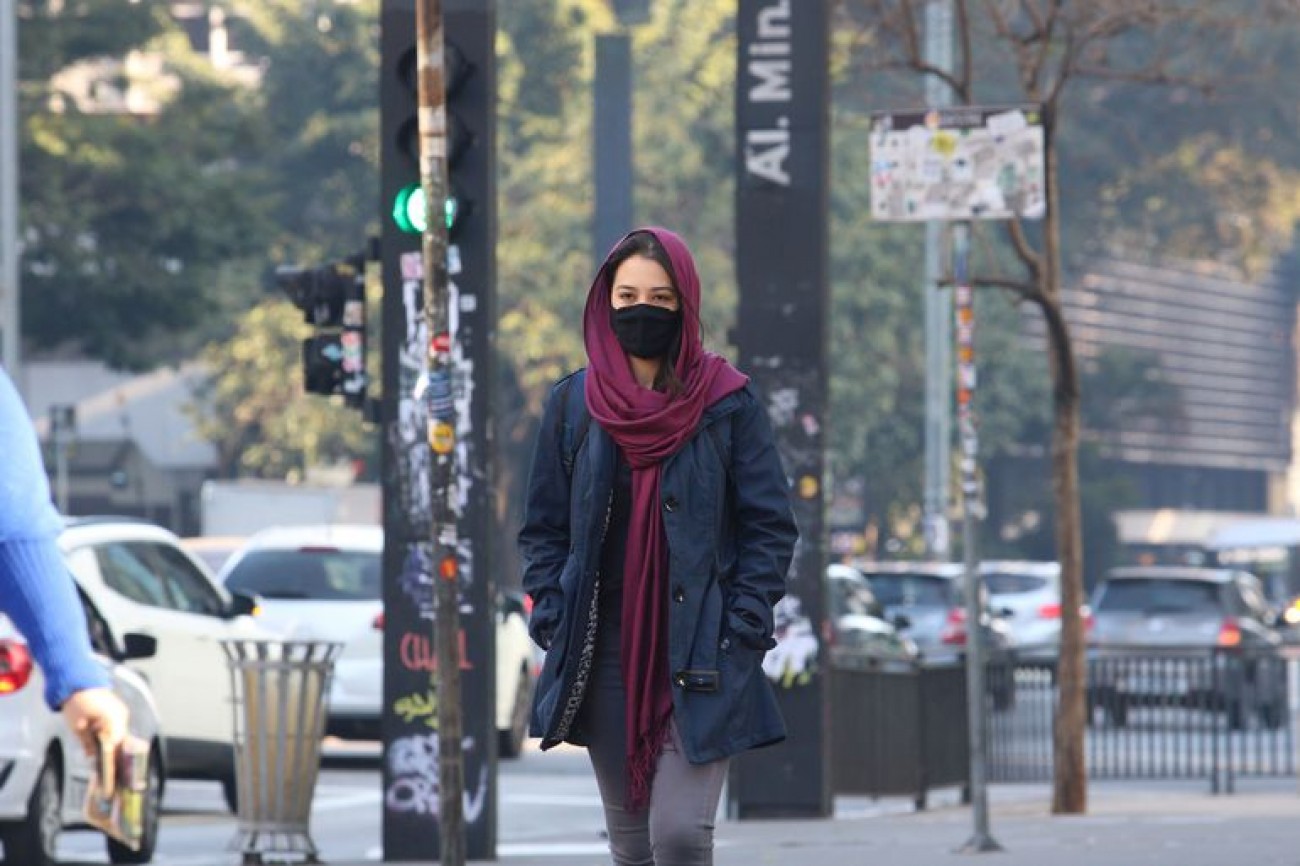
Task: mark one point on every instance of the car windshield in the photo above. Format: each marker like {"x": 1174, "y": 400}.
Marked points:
{"x": 911, "y": 590}
{"x": 1003, "y": 583}
{"x": 1155, "y": 595}
{"x": 308, "y": 573}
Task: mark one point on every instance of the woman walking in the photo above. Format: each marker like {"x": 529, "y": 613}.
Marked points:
{"x": 656, "y": 540}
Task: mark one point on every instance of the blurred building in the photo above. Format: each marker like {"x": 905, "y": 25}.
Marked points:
{"x": 1217, "y": 443}
{"x": 121, "y": 444}
{"x": 140, "y": 83}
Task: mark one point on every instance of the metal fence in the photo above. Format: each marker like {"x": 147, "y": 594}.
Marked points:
{"x": 898, "y": 730}
{"x": 1216, "y": 715}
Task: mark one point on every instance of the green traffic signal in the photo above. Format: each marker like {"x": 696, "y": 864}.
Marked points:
{"x": 410, "y": 214}
{"x": 409, "y": 210}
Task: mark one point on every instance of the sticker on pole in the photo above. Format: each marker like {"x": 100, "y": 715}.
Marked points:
{"x": 958, "y": 163}
{"x": 442, "y": 438}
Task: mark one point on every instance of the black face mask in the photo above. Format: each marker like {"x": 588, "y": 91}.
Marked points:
{"x": 644, "y": 330}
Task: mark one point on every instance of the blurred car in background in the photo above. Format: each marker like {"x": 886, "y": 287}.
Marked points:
{"x": 44, "y": 773}
{"x": 1027, "y": 597}
{"x": 325, "y": 582}
{"x": 860, "y": 634}
{"x": 1194, "y": 637}
{"x": 929, "y": 597}
{"x": 140, "y": 580}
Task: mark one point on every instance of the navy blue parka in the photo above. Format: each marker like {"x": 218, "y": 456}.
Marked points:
{"x": 731, "y": 536}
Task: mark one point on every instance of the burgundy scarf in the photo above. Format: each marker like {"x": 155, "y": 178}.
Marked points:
{"x": 649, "y": 427}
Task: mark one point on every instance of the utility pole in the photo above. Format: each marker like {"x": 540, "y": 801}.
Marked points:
{"x": 441, "y": 415}
{"x": 10, "y": 307}
{"x": 938, "y": 314}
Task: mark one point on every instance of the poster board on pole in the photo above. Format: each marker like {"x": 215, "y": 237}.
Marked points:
{"x": 958, "y": 163}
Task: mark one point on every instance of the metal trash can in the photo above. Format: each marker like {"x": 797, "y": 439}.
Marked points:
{"x": 279, "y": 690}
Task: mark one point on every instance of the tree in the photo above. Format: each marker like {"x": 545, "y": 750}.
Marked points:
{"x": 254, "y": 410}
{"x": 1033, "y": 51}
{"x": 1121, "y": 390}
{"x": 131, "y": 224}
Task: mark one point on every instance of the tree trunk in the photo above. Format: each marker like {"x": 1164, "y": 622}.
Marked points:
{"x": 1069, "y": 794}
{"x": 1069, "y": 776}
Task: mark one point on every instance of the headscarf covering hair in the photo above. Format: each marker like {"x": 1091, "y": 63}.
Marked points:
{"x": 649, "y": 427}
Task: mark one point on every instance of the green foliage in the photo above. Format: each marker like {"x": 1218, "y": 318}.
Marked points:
{"x": 254, "y": 409}
{"x": 144, "y": 237}
{"x": 55, "y": 33}
{"x": 129, "y": 223}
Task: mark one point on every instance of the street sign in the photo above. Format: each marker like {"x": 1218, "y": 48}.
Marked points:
{"x": 958, "y": 163}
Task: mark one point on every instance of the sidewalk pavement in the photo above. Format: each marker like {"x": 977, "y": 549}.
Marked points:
{"x": 1128, "y": 824}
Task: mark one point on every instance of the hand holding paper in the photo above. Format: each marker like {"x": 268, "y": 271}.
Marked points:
{"x": 97, "y": 717}
{"x": 115, "y": 798}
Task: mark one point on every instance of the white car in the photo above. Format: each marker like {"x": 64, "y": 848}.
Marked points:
{"x": 324, "y": 582}
{"x": 44, "y": 772}
{"x": 1027, "y": 596}
{"x": 139, "y": 578}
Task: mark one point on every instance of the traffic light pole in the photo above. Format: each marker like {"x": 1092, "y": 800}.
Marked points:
{"x": 441, "y": 410}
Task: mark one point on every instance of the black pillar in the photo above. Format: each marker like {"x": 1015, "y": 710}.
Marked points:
{"x": 782, "y": 131}
{"x": 410, "y": 823}
{"x": 612, "y": 144}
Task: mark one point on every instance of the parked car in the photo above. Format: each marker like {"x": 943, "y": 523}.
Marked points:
{"x": 140, "y": 580}
{"x": 44, "y": 773}
{"x": 860, "y": 634}
{"x": 324, "y": 582}
{"x": 1195, "y": 637}
{"x": 929, "y": 596}
{"x": 1027, "y": 596}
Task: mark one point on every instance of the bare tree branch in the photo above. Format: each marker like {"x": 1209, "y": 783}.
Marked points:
{"x": 1048, "y": 30}
{"x": 1159, "y": 77}
{"x": 964, "y": 92}
{"x": 911, "y": 33}
{"x": 1032, "y": 12}
{"x": 1019, "y": 288}
{"x": 1032, "y": 258}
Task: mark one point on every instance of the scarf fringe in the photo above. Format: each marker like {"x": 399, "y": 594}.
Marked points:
{"x": 642, "y": 760}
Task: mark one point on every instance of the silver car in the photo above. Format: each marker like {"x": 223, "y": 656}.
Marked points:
{"x": 928, "y": 597}
{"x": 1027, "y": 595}
{"x": 861, "y": 635}
{"x": 1191, "y": 637}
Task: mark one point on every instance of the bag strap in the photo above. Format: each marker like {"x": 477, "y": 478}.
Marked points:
{"x": 573, "y": 418}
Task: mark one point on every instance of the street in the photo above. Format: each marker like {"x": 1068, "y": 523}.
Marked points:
{"x": 548, "y": 807}
{"x": 550, "y": 815}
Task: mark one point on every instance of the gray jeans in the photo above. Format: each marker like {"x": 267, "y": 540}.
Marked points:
{"x": 677, "y": 829}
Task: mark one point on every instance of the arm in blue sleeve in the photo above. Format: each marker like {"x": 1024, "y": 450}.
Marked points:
{"x": 37, "y": 593}
{"x": 36, "y": 590}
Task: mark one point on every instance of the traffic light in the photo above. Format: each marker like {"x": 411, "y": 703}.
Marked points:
{"x": 333, "y": 298}
{"x": 402, "y": 142}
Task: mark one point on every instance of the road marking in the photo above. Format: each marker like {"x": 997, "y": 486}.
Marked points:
{"x": 553, "y": 799}
{"x": 346, "y": 801}
{"x": 532, "y": 849}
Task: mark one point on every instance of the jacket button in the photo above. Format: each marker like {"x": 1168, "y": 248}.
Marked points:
{"x": 679, "y": 594}
{"x": 680, "y": 679}
{"x": 726, "y": 643}
{"x": 670, "y": 504}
